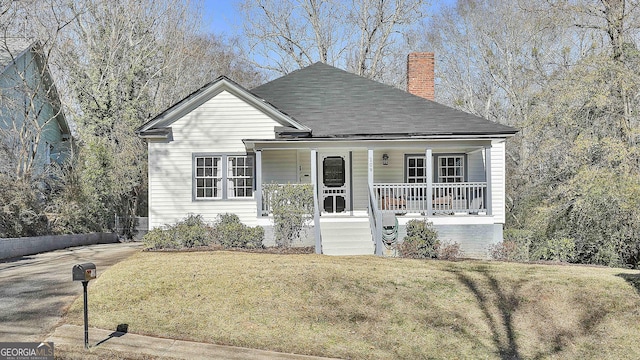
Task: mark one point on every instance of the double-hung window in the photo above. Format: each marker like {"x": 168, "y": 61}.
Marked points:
{"x": 416, "y": 169}
{"x": 223, "y": 177}
{"x": 451, "y": 169}
{"x": 239, "y": 176}
{"x": 208, "y": 177}
{"x": 448, "y": 169}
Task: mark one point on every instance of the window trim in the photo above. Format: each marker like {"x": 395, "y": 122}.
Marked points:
{"x": 436, "y": 168}
{"x": 406, "y": 165}
{"x": 194, "y": 182}
{"x": 224, "y": 158}
{"x": 225, "y": 175}
{"x": 435, "y": 162}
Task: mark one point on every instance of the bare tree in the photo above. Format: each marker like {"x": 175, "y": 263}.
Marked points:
{"x": 363, "y": 36}
{"x": 566, "y": 74}
{"x": 29, "y": 103}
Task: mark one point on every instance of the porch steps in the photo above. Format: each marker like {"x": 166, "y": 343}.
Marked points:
{"x": 346, "y": 236}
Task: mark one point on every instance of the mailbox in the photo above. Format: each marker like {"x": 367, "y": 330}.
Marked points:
{"x": 84, "y": 272}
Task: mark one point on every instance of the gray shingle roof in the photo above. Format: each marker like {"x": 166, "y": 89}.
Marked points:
{"x": 335, "y": 103}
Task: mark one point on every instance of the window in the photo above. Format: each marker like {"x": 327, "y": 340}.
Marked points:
{"x": 223, "y": 176}
{"x": 451, "y": 169}
{"x": 208, "y": 177}
{"x": 333, "y": 171}
{"x": 240, "y": 176}
{"x": 416, "y": 169}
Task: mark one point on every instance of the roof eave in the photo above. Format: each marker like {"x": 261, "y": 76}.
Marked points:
{"x": 158, "y": 134}
{"x": 207, "y": 92}
{"x": 396, "y": 136}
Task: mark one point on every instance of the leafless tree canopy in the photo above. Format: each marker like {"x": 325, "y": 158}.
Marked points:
{"x": 365, "y": 37}
{"x": 116, "y": 64}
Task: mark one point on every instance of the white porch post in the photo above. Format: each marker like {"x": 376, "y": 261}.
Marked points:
{"x": 377, "y": 235}
{"x": 370, "y": 167}
{"x": 429, "y": 159}
{"x": 259, "y": 181}
{"x": 316, "y": 210}
{"x": 487, "y": 169}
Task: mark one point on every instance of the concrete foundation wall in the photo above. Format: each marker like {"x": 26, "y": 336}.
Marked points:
{"x": 474, "y": 239}
{"x": 306, "y": 237}
{"x": 16, "y": 247}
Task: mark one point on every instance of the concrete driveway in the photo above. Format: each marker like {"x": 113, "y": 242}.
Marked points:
{"x": 36, "y": 289}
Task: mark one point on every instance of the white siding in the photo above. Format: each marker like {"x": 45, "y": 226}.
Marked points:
{"x": 359, "y": 173}
{"x": 304, "y": 164}
{"x": 217, "y": 126}
{"x": 394, "y": 172}
{"x": 475, "y": 166}
{"x": 498, "y": 181}
{"x": 279, "y": 166}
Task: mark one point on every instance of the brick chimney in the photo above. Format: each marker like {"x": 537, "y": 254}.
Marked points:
{"x": 420, "y": 74}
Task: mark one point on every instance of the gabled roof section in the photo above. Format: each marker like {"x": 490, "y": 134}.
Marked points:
{"x": 335, "y": 103}
{"x": 12, "y": 49}
{"x": 166, "y": 118}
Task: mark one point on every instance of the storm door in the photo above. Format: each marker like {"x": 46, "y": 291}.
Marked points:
{"x": 334, "y": 183}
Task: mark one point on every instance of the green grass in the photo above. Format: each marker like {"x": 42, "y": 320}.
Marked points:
{"x": 372, "y": 308}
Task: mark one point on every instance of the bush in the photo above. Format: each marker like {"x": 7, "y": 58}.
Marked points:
{"x": 229, "y": 232}
{"x": 557, "y": 249}
{"x": 449, "y": 251}
{"x": 504, "y": 251}
{"x": 158, "y": 238}
{"x": 515, "y": 246}
{"x": 21, "y": 212}
{"x": 421, "y": 241}
{"x": 191, "y": 232}
{"x": 292, "y": 208}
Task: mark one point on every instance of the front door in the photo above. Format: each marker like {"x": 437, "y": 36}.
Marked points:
{"x": 334, "y": 183}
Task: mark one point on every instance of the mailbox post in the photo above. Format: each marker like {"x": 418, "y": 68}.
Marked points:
{"x": 85, "y": 272}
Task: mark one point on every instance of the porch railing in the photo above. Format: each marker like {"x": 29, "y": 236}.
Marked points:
{"x": 446, "y": 198}
{"x": 375, "y": 221}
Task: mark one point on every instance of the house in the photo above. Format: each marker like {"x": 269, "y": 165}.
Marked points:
{"x": 33, "y": 127}
{"x": 374, "y": 154}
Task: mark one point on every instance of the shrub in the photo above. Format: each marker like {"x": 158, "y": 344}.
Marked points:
{"x": 421, "y": 241}
{"x": 292, "y": 208}
{"x": 515, "y": 246}
{"x": 159, "y": 238}
{"x": 191, "y": 232}
{"x": 21, "y": 212}
{"x": 504, "y": 251}
{"x": 449, "y": 251}
{"x": 229, "y": 232}
{"x": 557, "y": 249}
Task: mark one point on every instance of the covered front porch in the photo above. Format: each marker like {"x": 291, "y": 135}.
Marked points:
{"x": 409, "y": 179}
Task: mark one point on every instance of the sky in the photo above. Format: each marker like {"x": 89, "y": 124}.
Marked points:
{"x": 221, "y": 17}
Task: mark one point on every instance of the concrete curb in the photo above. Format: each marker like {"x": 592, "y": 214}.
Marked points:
{"x": 16, "y": 247}
{"x": 73, "y": 335}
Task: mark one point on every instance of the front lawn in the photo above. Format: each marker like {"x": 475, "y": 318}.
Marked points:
{"x": 369, "y": 307}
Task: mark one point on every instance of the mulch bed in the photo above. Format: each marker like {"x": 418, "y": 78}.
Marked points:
{"x": 266, "y": 250}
